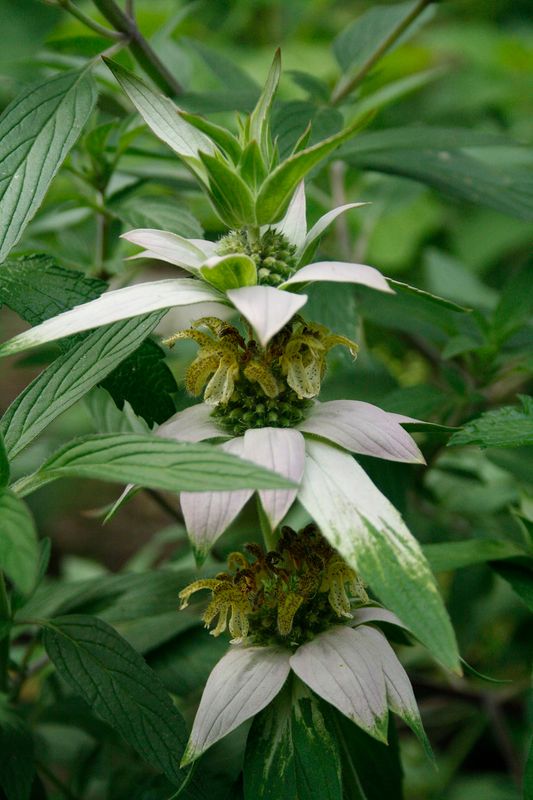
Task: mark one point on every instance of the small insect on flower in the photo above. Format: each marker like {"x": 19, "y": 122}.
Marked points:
{"x": 299, "y": 609}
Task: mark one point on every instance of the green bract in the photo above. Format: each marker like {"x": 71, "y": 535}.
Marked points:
{"x": 246, "y": 181}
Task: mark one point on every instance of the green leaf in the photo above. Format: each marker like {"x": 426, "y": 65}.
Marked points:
{"x": 370, "y": 770}
{"x": 36, "y": 288}
{"x": 278, "y": 188}
{"x": 221, "y": 136}
{"x": 456, "y": 173}
{"x": 16, "y": 755}
{"x": 229, "y": 194}
{"x": 251, "y": 166}
{"x": 259, "y": 118}
{"x": 37, "y": 130}
{"x": 19, "y": 548}
{"x": 108, "y": 418}
{"x": 510, "y": 426}
{"x": 71, "y": 376}
{"x": 119, "y": 687}
{"x": 163, "y": 118}
{"x": 528, "y": 774}
{"x": 519, "y": 573}
{"x": 148, "y": 460}
{"x": 444, "y": 556}
{"x": 515, "y": 306}
{"x": 431, "y": 298}
{"x": 364, "y": 36}
{"x": 162, "y": 212}
{"x": 291, "y": 752}
{"x": 4, "y": 463}
{"x": 230, "y": 272}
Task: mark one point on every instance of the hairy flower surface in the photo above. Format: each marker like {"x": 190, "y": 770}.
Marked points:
{"x": 284, "y": 611}
{"x": 227, "y": 366}
{"x": 284, "y": 596}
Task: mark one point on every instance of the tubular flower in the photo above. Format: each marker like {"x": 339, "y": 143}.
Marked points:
{"x": 293, "y": 625}
{"x": 293, "y": 591}
{"x": 292, "y": 365}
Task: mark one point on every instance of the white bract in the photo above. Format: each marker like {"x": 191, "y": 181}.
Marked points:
{"x": 351, "y": 667}
{"x": 351, "y": 512}
{"x": 229, "y": 280}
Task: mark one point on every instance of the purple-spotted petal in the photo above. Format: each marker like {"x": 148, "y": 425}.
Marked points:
{"x": 340, "y": 272}
{"x": 339, "y": 667}
{"x": 281, "y": 450}
{"x": 243, "y": 682}
{"x": 266, "y": 309}
{"x": 194, "y": 424}
{"x": 168, "y": 247}
{"x": 362, "y": 428}
{"x": 208, "y": 514}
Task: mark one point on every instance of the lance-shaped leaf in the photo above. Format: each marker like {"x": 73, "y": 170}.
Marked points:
{"x": 259, "y": 118}
{"x": 164, "y": 119}
{"x": 294, "y": 224}
{"x": 119, "y": 304}
{"x": 4, "y": 463}
{"x": 311, "y": 239}
{"x": 340, "y": 668}
{"x": 229, "y": 193}
{"x": 193, "y": 424}
{"x": 362, "y": 428}
{"x": 243, "y": 682}
{"x": 278, "y": 188}
{"x": 37, "y": 130}
{"x": 370, "y": 534}
{"x": 148, "y": 460}
{"x": 221, "y": 136}
{"x": 168, "y": 247}
{"x": 19, "y": 549}
{"x": 101, "y": 667}
{"x": 266, "y": 308}
{"x": 69, "y": 377}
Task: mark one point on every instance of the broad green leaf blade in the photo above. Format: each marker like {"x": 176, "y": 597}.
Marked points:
{"x": 163, "y": 212}
{"x": 108, "y": 418}
{"x": 37, "y": 130}
{"x": 510, "y": 426}
{"x": 120, "y": 304}
{"x": 148, "y": 460}
{"x": 16, "y": 755}
{"x": 4, "y": 463}
{"x": 279, "y": 187}
{"x": 370, "y": 770}
{"x": 366, "y": 34}
{"x": 163, "y": 118}
{"x": 118, "y": 685}
{"x": 230, "y": 272}
{"x": 519, "y": 574}
{"x": 370, "y": 534}
{"x": 259, "y": 118}
{"x": 229, "y": 194}
{"x": 456, "y": 173}
{"x": 291, "y": 751}
{"x": 222, "y": 137}
{"x": 69, "y": 377}
{"x": 19, "y": 549}
{"x": 444, "y": 556}
{"x": 516, "y": 304}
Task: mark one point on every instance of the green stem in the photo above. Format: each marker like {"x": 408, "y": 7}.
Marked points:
{"x": 5, "y": 614}
{"x": 346, "y": 86}
{"x": 253, "y": 233}
{"x": 101, "y": 30}
{"x": 269, "y": 536}
{"x": 141, "y": 50}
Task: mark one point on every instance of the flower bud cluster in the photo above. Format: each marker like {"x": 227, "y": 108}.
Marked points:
{"x": 287, "y": 595}
{"x": 273, "y": 254}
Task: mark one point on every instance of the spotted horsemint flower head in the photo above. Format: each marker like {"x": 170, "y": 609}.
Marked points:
{"x": 298, "y": 609}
